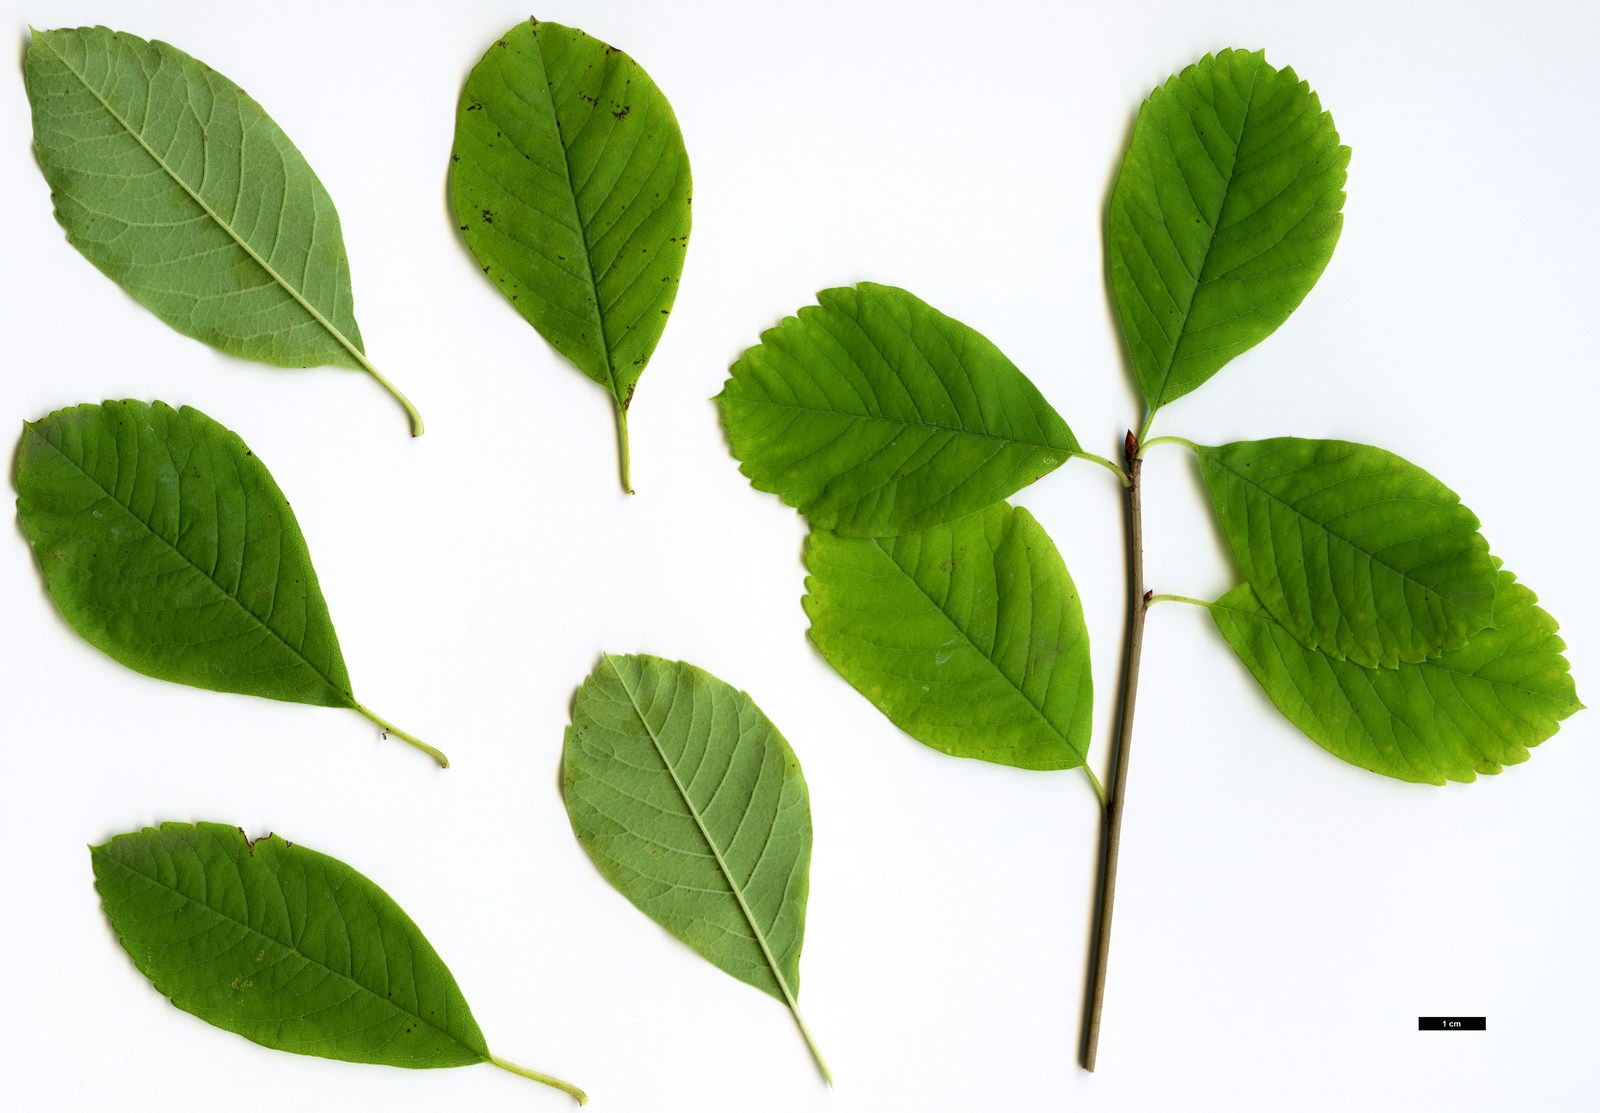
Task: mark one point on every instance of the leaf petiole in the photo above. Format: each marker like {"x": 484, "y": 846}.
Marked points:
{"x": 404, "y": 736}
{"x": 524, "y": 1072}
{"x": 1180, "y": 599}
{"x": 411, "y": 411}
{"x": 1121, "y": 475}
{"x": 1185, "y": 441}
{"x": 622, "y": 443}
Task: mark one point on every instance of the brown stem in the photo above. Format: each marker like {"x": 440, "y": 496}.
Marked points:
{"x": 1111, "y": 834}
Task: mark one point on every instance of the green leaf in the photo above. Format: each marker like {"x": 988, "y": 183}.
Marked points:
{"x": 1471, "y": 710}
{"x": 286, "y": 947}
{"x": 969, "y": 636}
{"x": 166, "y": 544}
{"x": 872, "y": 413}
{"x": 693, "y": 806}
{"x": 1358, "y": 553}
{"x": 570, "y": 183}
{"x": 1223, "y": 216}
{"x": 177, "y": 185}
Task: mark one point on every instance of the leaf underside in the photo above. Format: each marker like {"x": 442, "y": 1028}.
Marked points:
{"x": 178, "y": 186}
{"x": 570, "y": 184}
{"x": 1471, "y": 710}
{"x": 693, "y": 806}
{"x": 1357, "y": 552}
{"x": 166, "y": 544}
{"x": 969, "y": 637}
{"x": 284, "y": 946}
{"x": 1225, "y": 212}
{"x": 873, "y": 414}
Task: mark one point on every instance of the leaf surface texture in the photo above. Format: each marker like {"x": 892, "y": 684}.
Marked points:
{"x": 1224, "y": 214}
{"x": 176, "y": 184}
{"x": 570, "y": 183}
{"x": 970, "y": 637}
{"x": 1471, "y": 710}
{"x": 284, "y": 946}
{"x": 1356, "y": 551}
{"x": 166, "y": 543}
{"x": 872, "y": 413}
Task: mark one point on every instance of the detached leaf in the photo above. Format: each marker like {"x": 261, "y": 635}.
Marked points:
{"x": 570, "y": 183}
{"x": 1358, "y": 553}
{"x": 872, "y": 413}
{"x": 969, "y": 636}
{"x": 1469, "y": 711}
{"x": 692, "y": 804}
{"x": 166, "y": 544}
{"x": 177, "y": 185}
{"x": 1223, "y": 216}
{"x": 287, "y": 947}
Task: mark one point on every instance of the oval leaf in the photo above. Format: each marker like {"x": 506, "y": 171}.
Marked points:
{"x": 1357, "y": 552}
{"x": 286, "y": 947}
{"x": 969, "y": 637}
{"x": 693, "y": 806}
{"x": 570, "y": 183}
{"x": 1471, "y": 710}
{"x": 167, "y": 545}
{"x": 1224, "y": 214}
{"x": 872, "y": 413}
{"x": 177, "y": 185}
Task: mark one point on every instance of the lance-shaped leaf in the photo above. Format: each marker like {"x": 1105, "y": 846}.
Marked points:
{"x": 969, "y": 636}
{"x": 177, "y": 185}
{"x": 1358, "y": 553}
{"x": 692, "y": 804}
{"x": 1224, "y": 214}
{"x": 1470, "y": 710}
{"x": 167, "y": 545}
{"x": 570, "y": 183}
{"x": 286, "y": 947}
{"x": 872, "y": 413}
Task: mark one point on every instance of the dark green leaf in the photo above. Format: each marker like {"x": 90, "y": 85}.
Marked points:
{"x": 1357, "y": 552}
{"x": 286, "y": 947}
{"x": 692, "y": 804}
{"x": 1471, "y": 710}
{"x": 178, "y": 186}
{"x": 570, "y": 184}
{"x": 1223, "y": 216}
{"x": 166, "y": 544}
{"x": 872, "y": 413}
{"x": 969, "y": 636}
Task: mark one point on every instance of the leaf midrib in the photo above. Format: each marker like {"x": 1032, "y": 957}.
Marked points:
{"x": 1444, "y": 600}
{"x": 291, "y": 948}
{"x": 716, "y": 851}
{"x": 290, "y": 288}
{"x": 1227, "y": 189}
{"x": 347, "y": 696}
{"x": 938, "y": 607}
{"x": 904, "y": 423}
{"x": 577, "y": 218}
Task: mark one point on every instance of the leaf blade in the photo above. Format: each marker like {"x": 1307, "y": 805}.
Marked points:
{"x": 969, "y": 637}
{"x": 1356, "y": 551}
{"x": 1224, "y": 214}
{"x": 284, "y": 946}
{"x": 872, "y": 413}
{"x": 1471, "y": 710}
{"x": 138, "y": 513}
{"x": 570, "y": 183}
{"x": 651, "y": 748}
{"x": 218, "y": 226}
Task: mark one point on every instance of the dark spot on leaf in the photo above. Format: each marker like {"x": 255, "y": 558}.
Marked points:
{"x": 622, "y": 113}
{"x": 488, "y": 216}
{"x": 475, "y": 107}
{"x": 464, "y": 227}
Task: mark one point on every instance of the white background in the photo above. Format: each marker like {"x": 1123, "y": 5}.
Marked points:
{"x": 1283, "y": 917}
